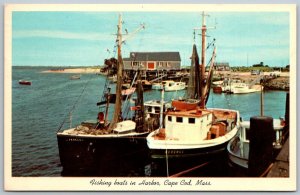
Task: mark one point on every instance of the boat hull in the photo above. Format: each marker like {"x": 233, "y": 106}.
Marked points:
{"x": 24, "y": 82}
{"x": 189, "y": 163}
{"x": 176, "y": 87}
{"x": 101, "y": 156}
{"x": 186, "y": 153}
{"x": 235, "y": 153}
{"x": 217, "y": 89}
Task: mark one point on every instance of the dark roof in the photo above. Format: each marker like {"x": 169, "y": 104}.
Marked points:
{"x": 221, "y": 64}
{"x": 153, "y": 56}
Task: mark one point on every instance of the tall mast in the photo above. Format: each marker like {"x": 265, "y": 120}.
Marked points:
{"x": 203, "y": 29}
{"x": 202, "y": 68}
{"x": 117, "y": 111}
{"x": 203, "y": 62}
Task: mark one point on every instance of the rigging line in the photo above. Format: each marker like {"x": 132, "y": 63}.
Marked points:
{"x": 136, "y": 76}
{"x": 74, "y": 106}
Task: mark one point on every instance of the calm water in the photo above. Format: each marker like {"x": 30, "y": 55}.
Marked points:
{"x": 39, "y": 110}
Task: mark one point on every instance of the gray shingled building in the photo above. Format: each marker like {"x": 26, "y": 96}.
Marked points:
{"x": 152, "y": 61}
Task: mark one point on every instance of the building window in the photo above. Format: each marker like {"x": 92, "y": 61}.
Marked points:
{"x": 179, "y": 119}
{"x": 142, "y": 64}
{"x": 135, "y": 64}
{"x": 192, "y": 120}
{"x": 160, "y": 64}
{"x": 168, "y": 64}
{"x": 169, "y": 118}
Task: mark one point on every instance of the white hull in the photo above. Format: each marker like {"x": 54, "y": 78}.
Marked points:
{"x": 236, "y": 155}
{"x": 175, "y": 86}
{"x": 246, "y": 89}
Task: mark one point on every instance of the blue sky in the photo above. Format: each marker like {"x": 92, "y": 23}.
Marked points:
{"x": 82, "y": 38}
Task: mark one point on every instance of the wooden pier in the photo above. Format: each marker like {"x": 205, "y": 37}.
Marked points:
{"x": 281, "y": 164}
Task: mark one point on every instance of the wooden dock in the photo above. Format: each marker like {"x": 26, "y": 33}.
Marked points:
{"x": 281, "y": 164}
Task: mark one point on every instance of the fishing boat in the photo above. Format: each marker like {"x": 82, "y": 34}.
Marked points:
{"x": 237, "y": 86}
{"x": 244, "y": 88}
{"x": 238, "y": 147}
{"x": 171, "y": 85}
{"x": 157, "y": 86}
{"x": 75, "y": 77}
{"x": 24, "y": 82}
{"x": 191, "y": 129}
{"x": 252, "y": 151}
{"x": 94, "y": 144}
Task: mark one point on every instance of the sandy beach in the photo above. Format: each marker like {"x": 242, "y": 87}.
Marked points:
{"x": 74, "y": 70}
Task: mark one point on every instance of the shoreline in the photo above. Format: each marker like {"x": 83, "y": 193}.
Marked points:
{"x": 279, "y": 83}
{"x": 74, "y": 70}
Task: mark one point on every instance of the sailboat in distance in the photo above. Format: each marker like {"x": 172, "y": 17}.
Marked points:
{"x": 191, "y": 129}
{"x": 93, "y": 145}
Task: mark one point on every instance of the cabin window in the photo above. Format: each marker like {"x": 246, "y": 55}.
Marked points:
{"x": 179, "y": 119}
{"x": 157, "y": 109}
{"x": 149, "y": 109}
{"x": 192, "y": 120}
{"x": 169, "y": 118}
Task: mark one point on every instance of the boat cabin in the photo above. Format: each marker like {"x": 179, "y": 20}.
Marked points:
{"x": 188, "y": 125}
{"x": 153, "y": 108}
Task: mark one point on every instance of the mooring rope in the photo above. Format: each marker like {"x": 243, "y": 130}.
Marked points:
{"x": 74, "y": 105}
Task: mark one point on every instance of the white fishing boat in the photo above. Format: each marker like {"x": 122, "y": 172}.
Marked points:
{"x": 190, "y": 128}
{"x": 237, "y": 86}
{"x": 238, "y": 147}
{"x": 171, "y": 85}
{"x": 75, "y": 77}
{"x": 241, "y": 88}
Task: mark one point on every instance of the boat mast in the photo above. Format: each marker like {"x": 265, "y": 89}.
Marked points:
{"x": 118, "y": 104}
{"x": 202, "y": 66}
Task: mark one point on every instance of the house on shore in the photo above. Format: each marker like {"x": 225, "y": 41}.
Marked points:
{"x": 152, "y": 64}
{"x": 221, "y": 66}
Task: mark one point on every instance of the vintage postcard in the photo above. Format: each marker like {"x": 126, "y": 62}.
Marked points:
{"x": 145, "y": 97}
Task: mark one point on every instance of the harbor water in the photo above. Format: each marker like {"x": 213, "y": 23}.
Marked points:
{"x": 39, "y": 110}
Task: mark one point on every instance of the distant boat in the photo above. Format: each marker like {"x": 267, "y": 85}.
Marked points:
{"x": 75, "y": 77}
{"x": 237, "y": 86}
{"x": 245, "y": 88}
{"x": 24, "y": 82}
{"x": 173, "y": 86}
{"x": 169, "y": 85}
